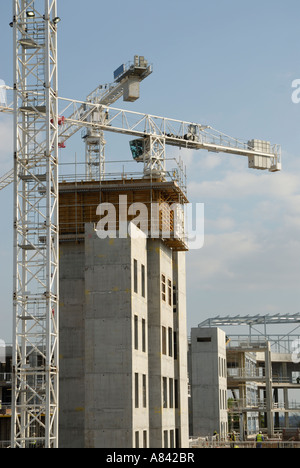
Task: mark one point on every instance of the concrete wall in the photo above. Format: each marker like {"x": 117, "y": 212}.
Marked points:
{"x": 72, "y": 345}
{"x": 180, "y": 326}
{"x": 168, "y": 394}
{"x": 111, "y": 360}
{"x": 113, "y": 365}
{"x": 208, "y": 378}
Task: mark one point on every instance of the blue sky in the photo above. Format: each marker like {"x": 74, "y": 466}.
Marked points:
{"x": 226, "y": 64}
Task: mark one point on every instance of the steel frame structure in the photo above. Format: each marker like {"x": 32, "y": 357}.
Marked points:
{"x": 250, "y": 320}
{"x": 95, "y": 118}
{"x": 35, "y": 296}
{"x": 161, "y": 131}
{"x": 94, "y": 152}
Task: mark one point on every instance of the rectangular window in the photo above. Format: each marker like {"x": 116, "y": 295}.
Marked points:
{"x": 171, "y": 393}
{"x": 163, "y": 288}
{"x": 177, "y": 438}
{"x": 165, "y": 392}
{"x": 143, "y": 281}
{"x": 144, "y": 391}
{"x": 164, "y": 340}
{"x": 136, "y": 332}
{"x": 137, "y": 439}
{"x": 136, "y": 389}
{"x": 170, "y": 338}
{"x": 171, "y": 439}
{"x": 143, "y": 335}
{"x": 175, "y": 345}
{"x": 176, "y": 393}
{"x": 204, "y": 340}
{"x": 135, "y": 276}
{"x": 145, "y": 439}
{"x": 170, "y": 292}
{"x": 174, "y": 299}
{"x": 165, "y": 439}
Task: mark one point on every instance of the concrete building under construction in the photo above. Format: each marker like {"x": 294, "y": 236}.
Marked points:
{"x": 123, "y": 336}
{"x": 245, "y": 382}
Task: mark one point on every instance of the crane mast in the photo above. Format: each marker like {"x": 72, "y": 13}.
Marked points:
{"x": 127, "y": 84}
{"x": 35, "y": 294}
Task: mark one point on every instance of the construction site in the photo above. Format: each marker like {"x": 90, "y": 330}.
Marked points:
{"x": 100, "y": 355}
{"x": 254, "y": 376}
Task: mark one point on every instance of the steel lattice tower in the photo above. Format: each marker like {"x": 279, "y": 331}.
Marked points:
{"x": 36, "y": 313}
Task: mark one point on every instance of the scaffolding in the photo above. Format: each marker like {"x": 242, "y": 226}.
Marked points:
{"x": 154, "y": 204}
{"x": 35, "y": 175}
{"x": 261, "y": 363}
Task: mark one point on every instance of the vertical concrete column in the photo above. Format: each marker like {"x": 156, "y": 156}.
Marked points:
{"x": 108, "y": 342}
{"x": 269, "y": 398}
{"x": 72, "y": 345}
{"x": 180, "y": 327}
{"x": 285, "y": 396}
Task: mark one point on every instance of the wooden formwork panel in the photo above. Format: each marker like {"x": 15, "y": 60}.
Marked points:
{"x": 78, "y": 205}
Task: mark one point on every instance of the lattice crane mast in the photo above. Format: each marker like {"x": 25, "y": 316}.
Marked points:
{"x": 42, "y": 123}
{"x": 126, "y": 83}
{"x": 36, "y": 276}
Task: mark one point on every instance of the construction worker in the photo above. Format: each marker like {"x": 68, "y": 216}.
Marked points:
{"x": 33, "y": 443}
{"x": 232, "y": 437}
{"x": 259, "y": 440}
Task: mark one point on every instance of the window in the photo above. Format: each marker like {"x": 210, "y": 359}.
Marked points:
{"x": 143, "y": 335}
{"x": 136, "y": 332}
{"x": 137, "y": 439}
{"x": 135, "y": 276}
{"x": 177, "y": 438}
{"x": 136, "y": 390}
{"x": 174, "y": 299}
{"x": 175, "y": 345}
{"x": 145, "y": 439}
{"x": 171, "y": 393}
{"x": 176, "y": 393}
{"x": 204, "y": 340}
{"x": 164, "y": 340}
{"x": 170, "y": 337}
{"x": 165, "y": 392}
{"x": 171, "y": 439}
{"x": 165, "y": 439}
{"x": 163, "y": 288}
{"x": 143, "y": 281}
{"x": 170, "y": 292}
{"x": 144, "y": 391}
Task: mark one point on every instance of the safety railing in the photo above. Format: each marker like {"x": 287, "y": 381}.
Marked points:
{"x": 249, "y": 444}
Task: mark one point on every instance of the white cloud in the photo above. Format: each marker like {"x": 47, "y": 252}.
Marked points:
{"x": 223, "y": 223}
{"x": 252, "y": 235}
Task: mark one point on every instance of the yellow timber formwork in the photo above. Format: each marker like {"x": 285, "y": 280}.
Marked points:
{"x": 78, "y": 203}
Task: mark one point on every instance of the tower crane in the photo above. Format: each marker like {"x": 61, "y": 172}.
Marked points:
{"x": 42, "y": 123}
{"x": 127, "y": 79}
{"x": 127, "y": 84}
